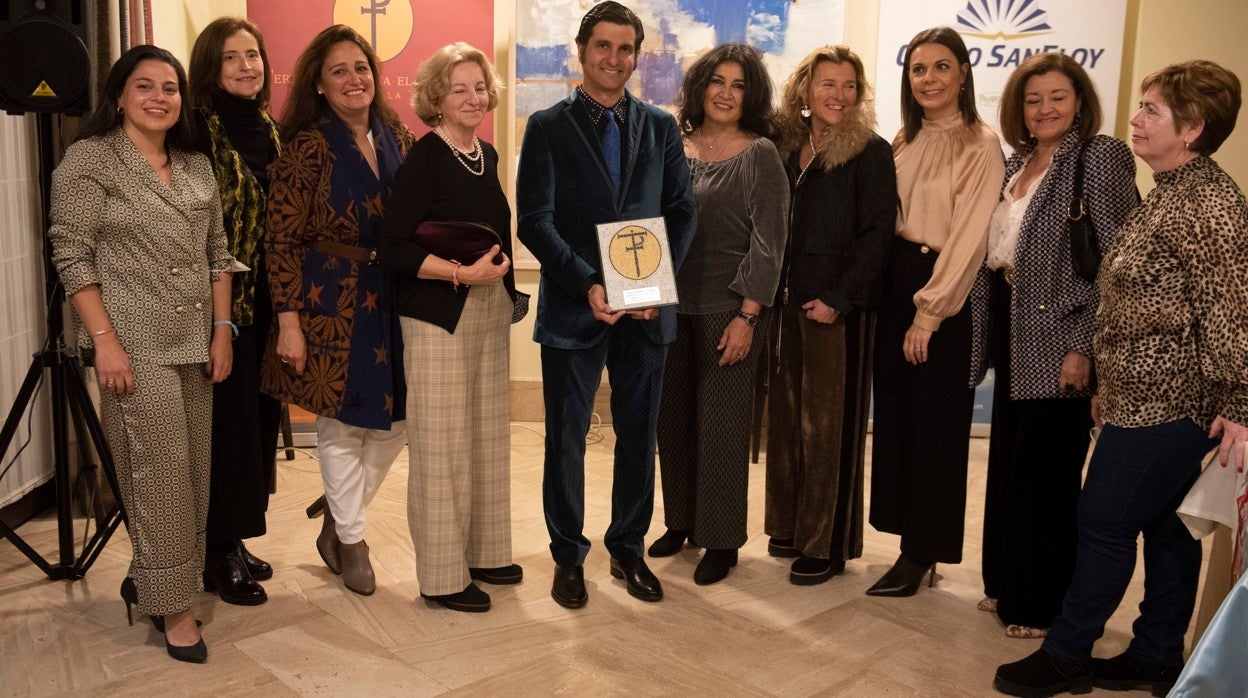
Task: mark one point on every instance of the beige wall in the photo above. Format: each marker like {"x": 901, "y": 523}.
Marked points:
{"x": 1156, "y": 32}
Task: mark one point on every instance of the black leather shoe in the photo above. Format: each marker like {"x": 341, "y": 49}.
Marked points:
{"x": 470, "y": 600}
{"x": 781, "y": 547}
{"x": 809, "y": 571}
{"x": 904, "y": 578}
{"x": 259, "y": 569}
{"x": 569, "y": 587}
{"x": 510, "y": 574}
{"x": 714, "y": 566}
{"x": 668, "y": 544}
{"x": 228, "y": 577}
{"x": 1127, "y": 673}
{"x": 642, "y": 584}
{"x": 1040, "y": 674}
{"x": 196, "y": 653}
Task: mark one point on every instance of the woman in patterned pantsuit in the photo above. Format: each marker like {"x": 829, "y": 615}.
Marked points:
{"x": 138, "y": 242}
{"x": 335, "y": 349}
{"x": 729, "y": 274}
{"x": 455, "y": 320}
{"x": 1033, "y": 319}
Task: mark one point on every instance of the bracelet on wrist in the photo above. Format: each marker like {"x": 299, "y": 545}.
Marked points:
{"x": 455, "y": 274}
{"x": 101, "y": 333}
{"x": 223, "y": 323}
{"x": 751, "y": 319}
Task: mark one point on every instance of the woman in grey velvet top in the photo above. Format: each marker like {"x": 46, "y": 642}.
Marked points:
{"x": 729, "y": 275}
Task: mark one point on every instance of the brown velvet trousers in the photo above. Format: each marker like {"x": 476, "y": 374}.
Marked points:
{"x": 818, "y": 403}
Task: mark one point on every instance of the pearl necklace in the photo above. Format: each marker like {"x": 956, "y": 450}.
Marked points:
{"x": 465, "y": 159}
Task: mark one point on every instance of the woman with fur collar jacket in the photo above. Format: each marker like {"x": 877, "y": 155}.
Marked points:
{"x": 843, "y": 213}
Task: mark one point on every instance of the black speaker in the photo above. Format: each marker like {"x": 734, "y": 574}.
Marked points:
{"x": 44, "y": 63}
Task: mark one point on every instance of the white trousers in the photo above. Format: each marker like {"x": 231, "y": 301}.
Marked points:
{"x": 354, "y": 462}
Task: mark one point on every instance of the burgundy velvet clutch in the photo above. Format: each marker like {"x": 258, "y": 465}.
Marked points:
{"x": 458, "y": 241}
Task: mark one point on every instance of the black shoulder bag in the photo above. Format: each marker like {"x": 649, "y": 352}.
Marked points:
{"x": 1085, "y": 253}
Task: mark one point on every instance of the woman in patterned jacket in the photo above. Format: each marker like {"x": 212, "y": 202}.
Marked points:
{"x": 335, "y": 349}
{"x": 1171, "y": 348}
{"x": 138, "y": 242}
{"x": 1033, "y": 320}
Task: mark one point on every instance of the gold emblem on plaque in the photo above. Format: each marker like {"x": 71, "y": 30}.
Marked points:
{"x": 387, "y": 24}
{"x": 635, "y": 252}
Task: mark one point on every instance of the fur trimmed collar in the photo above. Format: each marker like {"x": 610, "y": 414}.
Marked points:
{"x": 842, "y": 142}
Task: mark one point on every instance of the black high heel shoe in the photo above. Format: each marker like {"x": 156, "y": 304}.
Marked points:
{"x": 904, "y": 578}
{"x": 195, "y": 654}
{"x": 130, "y": 594}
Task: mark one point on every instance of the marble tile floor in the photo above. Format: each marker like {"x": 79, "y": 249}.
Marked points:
{"x": 752, "y": 634}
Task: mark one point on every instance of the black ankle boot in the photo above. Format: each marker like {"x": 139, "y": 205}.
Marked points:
{"x": 668, "y": 544}
{"x": 227, "y": 575}
{"x": 714, "y": 566}
{"x": 259, "y": 569}
{"x": 905, "y": 578}
{"x": 1042, "y": 674}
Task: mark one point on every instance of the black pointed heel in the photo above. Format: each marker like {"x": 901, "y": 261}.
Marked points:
{"x": 129, "y": 594}
{"x": 904, "y": 578}
{"x": 195, "y": 654}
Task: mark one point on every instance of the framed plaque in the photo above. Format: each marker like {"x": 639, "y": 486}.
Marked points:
{"x": 637, "y": 270}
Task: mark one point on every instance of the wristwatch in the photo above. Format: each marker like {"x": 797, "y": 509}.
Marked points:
{"x": 751, "y": 319}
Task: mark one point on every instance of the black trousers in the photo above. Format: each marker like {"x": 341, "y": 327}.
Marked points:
{"x": 570, "y": 377}
{"x": 922, "y": 419}
{"x": 244, "y": 442}
{"x": 1035, "y": 467}
{"x": 704, "y": 433}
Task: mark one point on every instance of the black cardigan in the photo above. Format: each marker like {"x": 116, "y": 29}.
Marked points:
{"x": 432, "y": 185}
{"x": 843, "y": 224}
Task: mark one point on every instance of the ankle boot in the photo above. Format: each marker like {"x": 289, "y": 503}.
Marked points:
{"x": 327, "y": 544}
{"x": 668, "y": 544}
{"x": 357, "y": 571}
{"x": 714, "y": 566}
{"x": 259, "y": 569}
{"x": 905, "y": 578}
{"x": 228, "y": 577}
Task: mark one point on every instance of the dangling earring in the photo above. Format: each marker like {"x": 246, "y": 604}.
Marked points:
{"x": 805, "y": 112}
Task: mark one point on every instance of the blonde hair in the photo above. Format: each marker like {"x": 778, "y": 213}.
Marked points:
{"x": 433, "y": 80}
{"x": 792, "y": 126}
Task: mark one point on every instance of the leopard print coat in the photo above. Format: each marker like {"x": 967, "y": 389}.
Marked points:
{"x": 1172, "y": 328}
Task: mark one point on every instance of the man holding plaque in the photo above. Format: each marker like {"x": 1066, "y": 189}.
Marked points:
{"x": 601, "y": 156}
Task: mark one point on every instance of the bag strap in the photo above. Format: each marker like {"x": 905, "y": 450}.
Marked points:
{"x": 1076, "y": 204}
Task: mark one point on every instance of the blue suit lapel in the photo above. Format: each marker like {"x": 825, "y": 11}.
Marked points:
{"x": 636, "y": 123}
{"x": 583, "y": 126}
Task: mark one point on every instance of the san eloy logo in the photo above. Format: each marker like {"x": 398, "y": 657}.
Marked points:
{"x": 387, "y": 24}
{"x": 1010, "y": 23}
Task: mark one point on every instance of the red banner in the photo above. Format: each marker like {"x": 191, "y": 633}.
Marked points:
{"x": 403, "y": 32}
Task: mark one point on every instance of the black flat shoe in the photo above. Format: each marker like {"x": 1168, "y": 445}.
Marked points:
{"x": 1126, "y": 673}
{"x": 195, "y": 654}
{"x": 668, "y": 544}
{"x": 509, "y": 574}
{"x": 227, "y": 576}
{"x": 568, "y": 589}
{"x": 470, "y": 600}
{"x": 809, "y": 571}
{"x": 259, "y": 569}
{"x": 904, "y": 578}
{"x": 641, "y": 582}
{"x": 781, "y": 547}
{"x": 1039, "y": 675}
{"x": 714, "y": 566}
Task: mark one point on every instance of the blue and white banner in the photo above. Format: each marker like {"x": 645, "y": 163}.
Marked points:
{"x": 1000, "y": 34}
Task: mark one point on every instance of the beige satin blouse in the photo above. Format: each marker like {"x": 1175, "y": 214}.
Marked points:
{"x": 949, "y": 180}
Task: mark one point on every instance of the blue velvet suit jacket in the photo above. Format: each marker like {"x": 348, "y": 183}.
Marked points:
{"x": 563, "y": 191}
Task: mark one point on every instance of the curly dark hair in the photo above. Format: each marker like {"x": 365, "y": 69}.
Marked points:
{"x": 615, "y": 13}
{"x": 756, "y": 109}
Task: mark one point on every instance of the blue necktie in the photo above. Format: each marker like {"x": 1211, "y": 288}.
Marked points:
{"x": 611, "y": 147}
